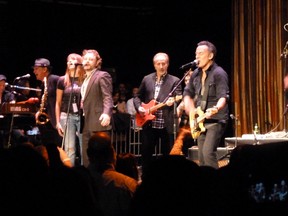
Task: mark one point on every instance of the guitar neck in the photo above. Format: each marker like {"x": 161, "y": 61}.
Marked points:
{"x": 201, "y": 118}
{"x": 158, "y": 106}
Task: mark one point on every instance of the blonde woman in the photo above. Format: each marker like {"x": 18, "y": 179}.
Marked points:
{"x": 67, "y": 109}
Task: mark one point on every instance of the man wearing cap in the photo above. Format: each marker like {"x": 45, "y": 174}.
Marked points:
{"x": 5, "y": 97}
{"x": 42, "y": 69}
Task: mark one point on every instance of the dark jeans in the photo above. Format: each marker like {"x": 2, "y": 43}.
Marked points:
{"x": 150, "y": 139}
{"x": 208, "y": 142}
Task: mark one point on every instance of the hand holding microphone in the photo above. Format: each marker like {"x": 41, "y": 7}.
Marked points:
{"x": 31, "y": 100}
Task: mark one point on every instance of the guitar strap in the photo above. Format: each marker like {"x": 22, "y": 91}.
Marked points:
{"x": 203, "y": 103}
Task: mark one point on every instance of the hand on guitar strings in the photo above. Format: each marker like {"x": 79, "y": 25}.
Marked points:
{"x": 142, "y": 110}
{"x": 170, "y": 101}
{"x": 211, "y": 111}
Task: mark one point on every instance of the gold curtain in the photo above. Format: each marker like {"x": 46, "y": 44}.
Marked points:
{"x": 258, "y": 68}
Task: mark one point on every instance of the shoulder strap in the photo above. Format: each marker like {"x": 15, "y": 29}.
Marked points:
{"x": 204, "y": 100}
{"x": 205, "y": 95}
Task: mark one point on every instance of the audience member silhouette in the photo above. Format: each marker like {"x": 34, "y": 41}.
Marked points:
{"x": 254, "y": 169}
{"x": 52, "y": 157}
{"x": 172, "y": 185}
{"x": 253, "y": 182}
{"x": 114, "y": 189}
{"x": 126, "y": 163}
{"x": 30, "y": 185}
{"x": 24, "y": 181}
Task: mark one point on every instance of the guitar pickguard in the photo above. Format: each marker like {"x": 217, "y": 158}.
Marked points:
{"x": 151, "y": 108}
{"x": 196, "y": 122}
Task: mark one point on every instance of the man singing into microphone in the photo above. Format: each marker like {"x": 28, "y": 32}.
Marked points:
{"x": 206, "y": 95}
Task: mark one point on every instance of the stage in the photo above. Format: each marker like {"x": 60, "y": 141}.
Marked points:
{"x": 257, "y": 139}
{"x": 223, "y": 153}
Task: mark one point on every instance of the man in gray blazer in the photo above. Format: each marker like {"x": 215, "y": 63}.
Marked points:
{"x": 96, "y": 93}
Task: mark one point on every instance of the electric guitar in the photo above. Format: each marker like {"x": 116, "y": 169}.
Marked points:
{"x": 150, "y": 108}
{"x": 196, "y": 119}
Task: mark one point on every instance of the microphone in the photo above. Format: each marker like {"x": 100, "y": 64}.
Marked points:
{"x": 23, "y": 77}
{"x": 286, "y": 27}
{"x": 21, "y": 87}
{"x": 190, "y": 64}
{"x": 233, "y": 117}
{"x": 78, "y": 64}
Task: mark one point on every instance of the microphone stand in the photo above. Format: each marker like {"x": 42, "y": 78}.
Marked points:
{"x": 12, "y": 121}
{"x": 68, "y": 109}
{"x": 174, "y": 89}
{"x": 10, "y": 131}
{"x": 175, "y": 107}
{"x": 236, "y": 132}
{"x": 175, "y": 121}
{"x": 11, "y": 127}
{"x": 7, "y": 143}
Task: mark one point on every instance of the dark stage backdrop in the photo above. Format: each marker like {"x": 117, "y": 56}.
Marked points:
{"x": 127, "y": 35}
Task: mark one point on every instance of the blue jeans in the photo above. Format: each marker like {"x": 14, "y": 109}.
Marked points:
{"x": 71, "y": 133}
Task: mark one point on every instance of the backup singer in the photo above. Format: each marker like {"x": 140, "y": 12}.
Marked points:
{"x": 68, "y": 117}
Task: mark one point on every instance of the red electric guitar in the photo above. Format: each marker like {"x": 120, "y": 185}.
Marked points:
{"x": 150, "y": 108}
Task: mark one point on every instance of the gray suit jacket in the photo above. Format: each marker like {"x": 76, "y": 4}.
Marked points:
{"x": 98, "y": 100}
